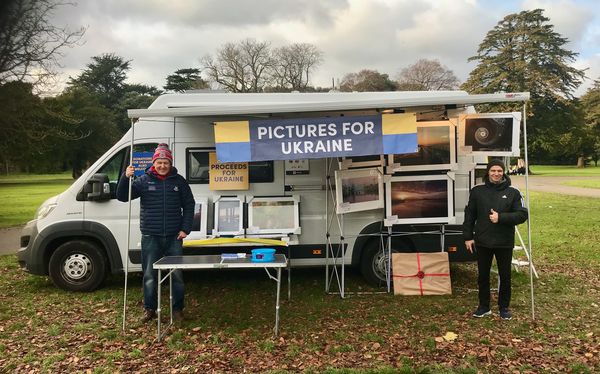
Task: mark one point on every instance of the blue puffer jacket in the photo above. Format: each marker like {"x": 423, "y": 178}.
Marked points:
{"x": 167, "y": 206}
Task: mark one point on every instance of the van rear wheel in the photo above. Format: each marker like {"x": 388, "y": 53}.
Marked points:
{"x": 77, "y": 265}
{"x": 374, "y": 261}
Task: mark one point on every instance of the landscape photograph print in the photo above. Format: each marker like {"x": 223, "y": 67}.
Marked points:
{"x": 359, "y": 189}
{"x": 436, "y": 149}
{"x": 419, "y": 198}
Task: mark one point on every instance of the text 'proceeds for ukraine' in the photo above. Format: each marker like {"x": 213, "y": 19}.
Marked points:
{"x": 288, "y": 139}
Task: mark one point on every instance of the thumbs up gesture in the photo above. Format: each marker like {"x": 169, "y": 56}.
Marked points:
{"x": 493, "y": 216}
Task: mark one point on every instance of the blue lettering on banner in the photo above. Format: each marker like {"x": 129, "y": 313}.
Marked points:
{"x": 290, "y": 139}
{"x": 141, "y": 161}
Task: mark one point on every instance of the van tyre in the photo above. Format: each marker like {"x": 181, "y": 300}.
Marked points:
{"x": 374, "y": 261}
{"x": 77, "y": 265}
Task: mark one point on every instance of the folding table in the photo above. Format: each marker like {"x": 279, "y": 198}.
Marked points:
{"x": 172, "y": 263}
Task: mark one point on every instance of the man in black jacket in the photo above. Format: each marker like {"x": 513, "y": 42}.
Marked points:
{"x": 493, "y": 211}
{"x": 166, "y": 215}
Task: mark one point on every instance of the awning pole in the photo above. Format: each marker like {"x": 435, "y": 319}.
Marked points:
{"x": 531, "y": 269}
{"x": 128, "y": 227}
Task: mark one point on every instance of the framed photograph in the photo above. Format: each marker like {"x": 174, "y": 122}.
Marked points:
{"x": 229, "y": 215}
{"x": 419, "y": 199}
{"x": 477, "y": 174}
{"x": 200, "y": 222}
{"x": 489, "y": 134}
{"x": 362, "y": 162}
{"x": 273, "y": 215}
{"x": 358, "y": 190}
{"x": 436, "y": 150}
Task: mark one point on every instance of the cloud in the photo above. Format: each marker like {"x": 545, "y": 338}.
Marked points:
{"x": 570, "y": 19}
{"x": 385, "y": 35}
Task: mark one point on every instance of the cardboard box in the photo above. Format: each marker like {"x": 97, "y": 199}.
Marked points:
{"x": 421, "y": 274}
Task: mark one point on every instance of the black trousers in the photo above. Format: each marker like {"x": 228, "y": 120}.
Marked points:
{"x": 484, "y": 264}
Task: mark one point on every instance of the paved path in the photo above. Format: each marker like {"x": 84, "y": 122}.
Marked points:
{"x": 9, "y": 238}
{"x": 554, "y": 185}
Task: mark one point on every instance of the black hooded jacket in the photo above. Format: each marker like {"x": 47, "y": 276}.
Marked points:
{"x": 504, "y": 199}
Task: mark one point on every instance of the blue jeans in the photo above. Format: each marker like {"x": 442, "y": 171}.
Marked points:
{"x": 155, "y": 247}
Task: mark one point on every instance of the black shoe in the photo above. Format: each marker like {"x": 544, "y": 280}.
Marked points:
{"x": 505, "y": 314}
{"x": 178, "y": 316}
{"x": 482, "y": 311}
{"x": 149, "y": 315}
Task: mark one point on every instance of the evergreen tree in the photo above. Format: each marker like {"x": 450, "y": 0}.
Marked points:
{"x": 105, "y": 77}
{"x": 590, "y": 103}
{"x": 185, "y": 79}
{"x": 524, "y": 53}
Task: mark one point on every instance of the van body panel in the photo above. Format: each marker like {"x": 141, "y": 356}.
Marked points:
{"x": 185, "y": 122}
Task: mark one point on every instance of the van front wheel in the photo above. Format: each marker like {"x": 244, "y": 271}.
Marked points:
{"x": 77, "y": 265}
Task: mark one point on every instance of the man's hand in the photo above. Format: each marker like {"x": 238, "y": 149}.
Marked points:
{"x": 470, "y": 244}
{"x": 129, "y": 171}
{"x": 493, "y": 216}
{"x": 181, "y": 235}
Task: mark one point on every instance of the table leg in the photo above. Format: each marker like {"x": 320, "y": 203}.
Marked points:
{"x": 158, "y": 308}
{"x": 277, "y": 302}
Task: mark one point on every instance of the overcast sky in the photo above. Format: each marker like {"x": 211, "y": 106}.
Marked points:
{"x": 385, "y": 35}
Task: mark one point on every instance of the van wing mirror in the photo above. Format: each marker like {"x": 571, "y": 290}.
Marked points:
{"x": 97, "y": 188}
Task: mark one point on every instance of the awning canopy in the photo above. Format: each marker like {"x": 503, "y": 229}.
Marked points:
{"x": 215, "y": 104}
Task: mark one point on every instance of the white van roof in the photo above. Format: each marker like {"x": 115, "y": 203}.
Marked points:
{"x": 209, "y": 104}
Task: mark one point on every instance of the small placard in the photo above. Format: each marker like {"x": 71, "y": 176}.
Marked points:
{"x": 296, "y": 167}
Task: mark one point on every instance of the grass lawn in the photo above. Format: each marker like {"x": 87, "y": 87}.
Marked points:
{"x": 566, "y": 171}
{"x": 230, "y": 318}
{"x": 25, "y": 193}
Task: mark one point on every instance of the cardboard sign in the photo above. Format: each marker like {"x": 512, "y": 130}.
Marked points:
{"x": 227, "y": 176}
{"x": 141, "y": 161}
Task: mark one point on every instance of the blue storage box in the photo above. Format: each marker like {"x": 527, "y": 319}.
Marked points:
{"x": 263, "y": 255}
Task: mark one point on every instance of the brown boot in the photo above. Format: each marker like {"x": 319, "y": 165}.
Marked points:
{"x": 149, "y": 315}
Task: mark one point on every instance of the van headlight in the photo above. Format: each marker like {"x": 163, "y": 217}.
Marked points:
{"x": 44, "y": 210}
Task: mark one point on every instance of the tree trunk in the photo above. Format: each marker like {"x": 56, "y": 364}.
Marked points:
{"x": 581, "y": 162}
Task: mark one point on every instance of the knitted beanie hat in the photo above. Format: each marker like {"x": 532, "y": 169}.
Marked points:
{"x": 163, "y": 151}
{"x": 495, "y": 162}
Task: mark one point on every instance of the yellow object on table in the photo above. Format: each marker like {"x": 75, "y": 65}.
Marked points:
{"x": 229, "y": 241}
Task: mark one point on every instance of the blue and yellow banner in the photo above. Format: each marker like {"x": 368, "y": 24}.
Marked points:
{"x": 290, "y": 139}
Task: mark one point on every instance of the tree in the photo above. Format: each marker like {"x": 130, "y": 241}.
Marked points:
{"x": 185, "y": 79}
{"x": 105, "y": 77}
{"x": 427, "y": 75}
{"x": 240, "y": 67}
{"x": 590, "y": 104}
{"x": 524, "y": 53}
{"x": 29, "y": 44}
{"x": 96, "y": 128}
{"x": 367, "y": 80}
{"x": 32, "y": 128}
{"x": 294, "y": 64}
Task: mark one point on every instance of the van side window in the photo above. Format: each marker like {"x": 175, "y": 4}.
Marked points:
{"x": 198, "y": 166}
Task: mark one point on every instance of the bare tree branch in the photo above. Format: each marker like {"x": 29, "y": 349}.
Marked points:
{"x": 427, "y": 75}
{"x": 29, "y": 44}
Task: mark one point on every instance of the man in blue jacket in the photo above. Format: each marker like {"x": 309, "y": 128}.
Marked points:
{"x": 166, "y": 215}
{"x": 493, "y": 211}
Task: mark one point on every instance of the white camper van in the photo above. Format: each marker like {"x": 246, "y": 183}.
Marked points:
{"x": 79, "y": 236}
